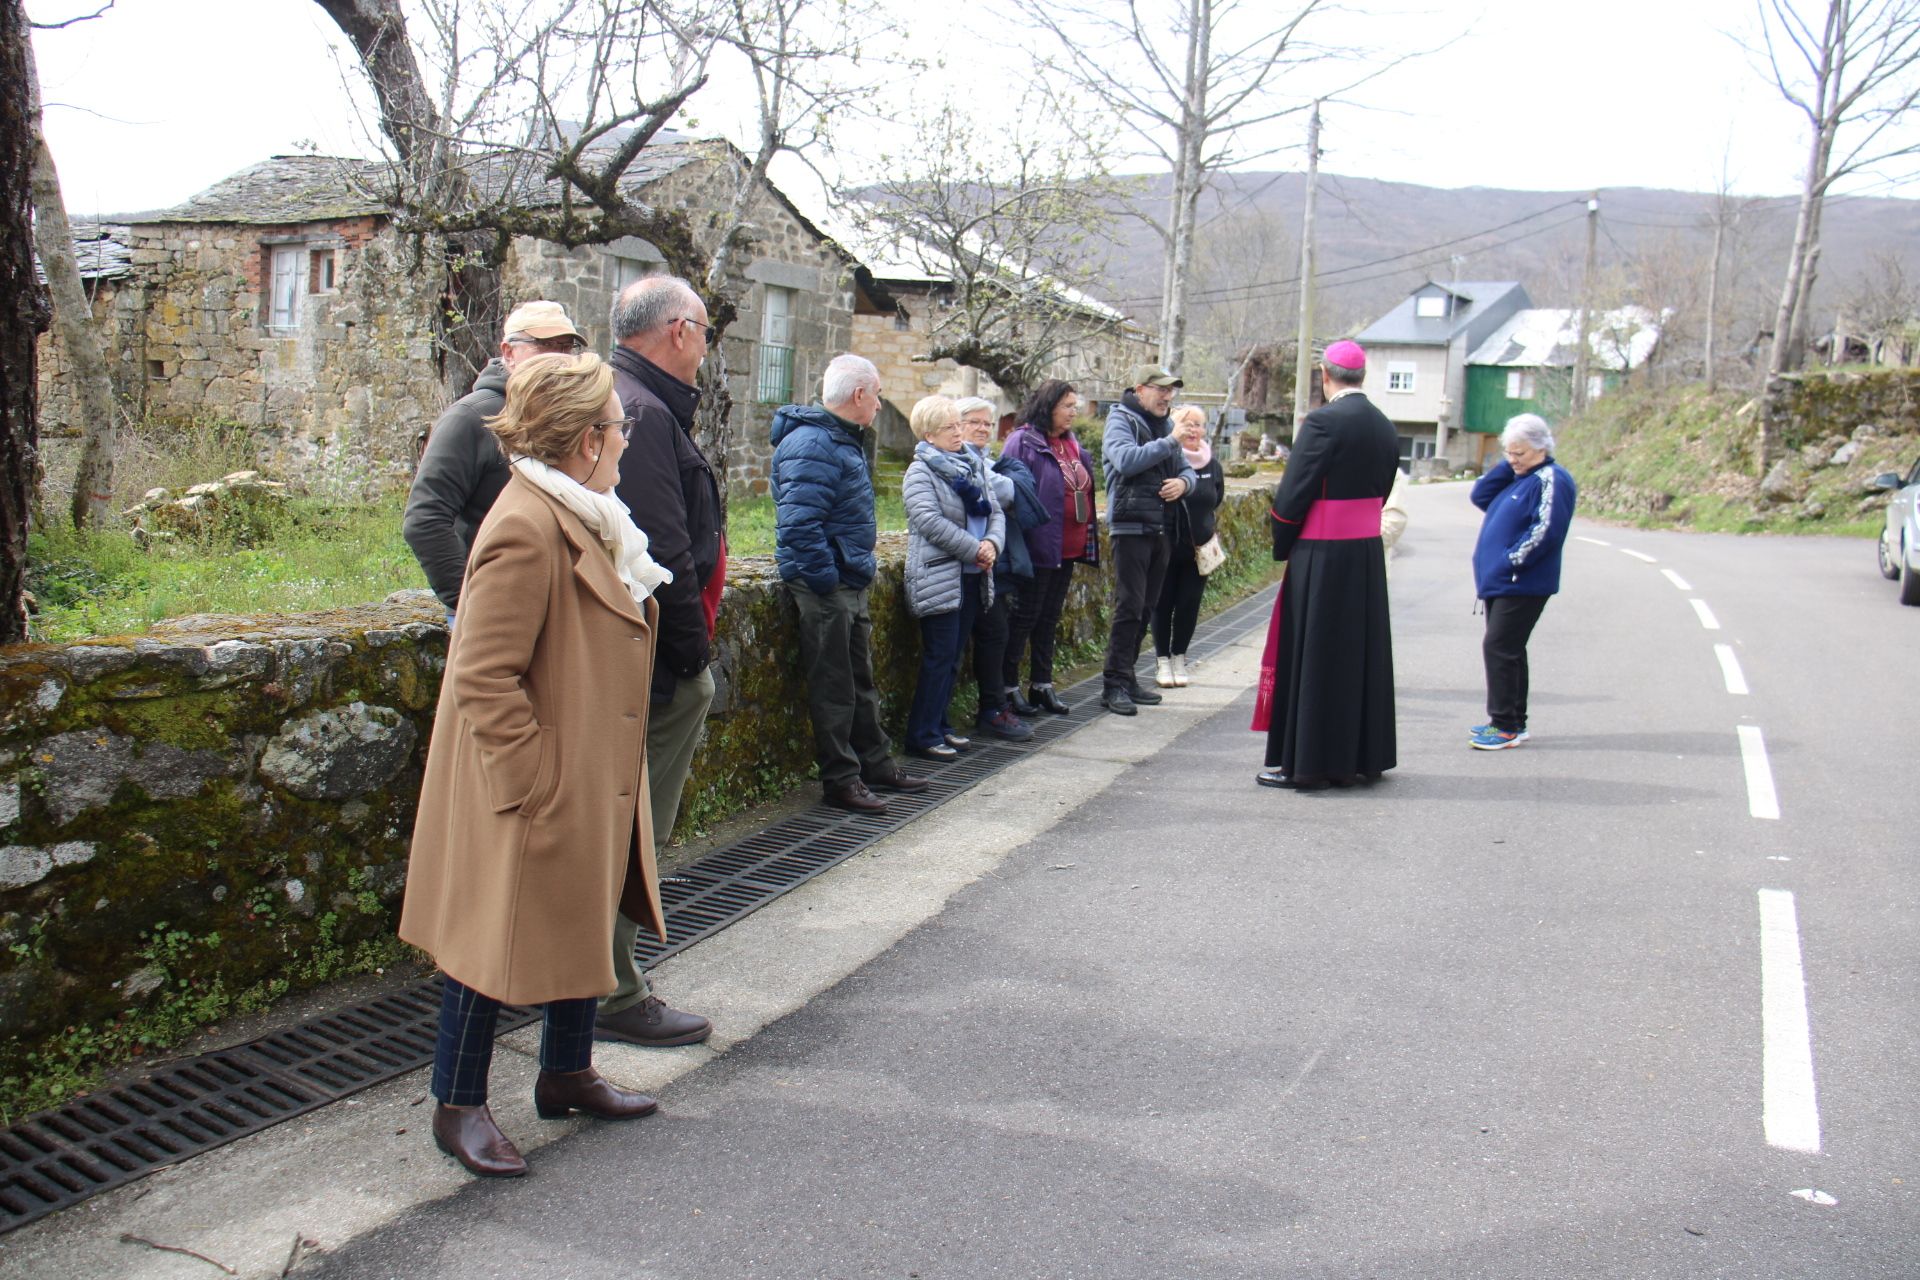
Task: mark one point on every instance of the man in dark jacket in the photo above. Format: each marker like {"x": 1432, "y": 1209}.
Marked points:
{"x": 461, "y": 470}
{"x": 1528, "y": 498}
{"x": 1145, "y": 471}
{"x": 823, "y": 548}
{"x": 660, "y": 336}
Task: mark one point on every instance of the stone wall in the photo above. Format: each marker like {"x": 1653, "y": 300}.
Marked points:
{"x": 1804, "y": 410}
{"x": 205, "y": 807}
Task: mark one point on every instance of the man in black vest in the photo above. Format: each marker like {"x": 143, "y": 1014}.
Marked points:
{"x": 661, "y": 335}
{"x": 1145, "y": 471}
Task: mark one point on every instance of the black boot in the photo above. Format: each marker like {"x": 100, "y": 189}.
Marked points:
{"x": 1019, "y": 705}
{"x": 1045, "y": 699}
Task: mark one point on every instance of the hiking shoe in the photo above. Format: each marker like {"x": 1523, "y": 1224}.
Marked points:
{"x": 1497, "y": 740}
{"x": 1479, "y": 729}
{"x": 1007, "y": 726}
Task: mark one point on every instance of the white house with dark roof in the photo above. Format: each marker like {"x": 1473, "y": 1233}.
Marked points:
{"x": 1417, "y": 359}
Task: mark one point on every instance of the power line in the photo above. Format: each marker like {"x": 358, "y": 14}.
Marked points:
{"x": 1216, "y": 294}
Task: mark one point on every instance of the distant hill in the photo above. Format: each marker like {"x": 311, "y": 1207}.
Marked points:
{"x": 1653, "y": 248}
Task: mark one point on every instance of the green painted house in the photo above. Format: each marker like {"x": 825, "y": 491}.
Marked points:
{"x": 1526, "y": 366}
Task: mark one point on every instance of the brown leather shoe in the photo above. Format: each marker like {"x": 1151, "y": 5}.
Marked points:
{"x": 855, "y": 796}
{"x": 469, "y": 1135}
{"x": 555, "y": 1093}
{"x": 652, "y": 1023}
{"x": 894, "y": 778}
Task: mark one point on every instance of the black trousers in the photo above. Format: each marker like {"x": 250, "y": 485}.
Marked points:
{"x": 1175, "y": 616}
{"x": 1139, "y": 567}
{"x": 1510, "y": 621}
{"x": 1035, "y": 622}
{"x": 990, "y": 630}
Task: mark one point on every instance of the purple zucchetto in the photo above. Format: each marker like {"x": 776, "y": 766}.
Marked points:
{"x": 1345, "y": 354}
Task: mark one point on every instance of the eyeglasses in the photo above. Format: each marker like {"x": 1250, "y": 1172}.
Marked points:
{"x": 625, "y": 425}
{"x": 710, "y": 331}
{"x": 564, "y": 345}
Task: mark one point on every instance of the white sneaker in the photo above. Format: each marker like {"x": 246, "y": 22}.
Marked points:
{"x": 1179, "y": 661}
{"x": 1163, "y": 672}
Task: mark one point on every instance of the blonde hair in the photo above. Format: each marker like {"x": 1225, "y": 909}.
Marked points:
{"x": 552, "y": 401}
{"x": 1181, "y": 412}
{"x": 931, "y": 414}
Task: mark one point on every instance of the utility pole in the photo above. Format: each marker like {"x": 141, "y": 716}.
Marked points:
{"x": 1713, "y": 286}
{"x": 1586, "y": 307}
{"x": 1303, "y": 355}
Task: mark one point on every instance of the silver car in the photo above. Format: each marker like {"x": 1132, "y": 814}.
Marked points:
{"x": 1900, "y": 537}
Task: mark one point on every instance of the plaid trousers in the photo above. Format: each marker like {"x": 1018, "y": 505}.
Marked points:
{"x": 463, "y": 1053}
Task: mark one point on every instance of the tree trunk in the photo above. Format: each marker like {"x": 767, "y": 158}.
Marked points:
{"x": 25, "y": 317}
{"x": 1713, "y": 291}
{"x": 1188, "y": 179}
{"x": 73, "y": 321}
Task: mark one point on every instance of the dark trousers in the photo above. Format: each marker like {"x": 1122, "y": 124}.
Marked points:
{"x": 836, "y": 661}
{"x": 941, "y": 638}
{"x": 1139, "y": 567}
{"x": 1510, "y": 621}
{"x": 990, "y": 628}
{"x": 463, "y": 1053}
{"x": 1034, "y": 620}
{"x": 1179, "y": 608}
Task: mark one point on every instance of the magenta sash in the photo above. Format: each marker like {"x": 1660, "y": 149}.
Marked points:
{"x": 1328, "y": 520}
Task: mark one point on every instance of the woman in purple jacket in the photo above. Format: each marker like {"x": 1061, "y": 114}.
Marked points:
{"x": 1045, "y": 443}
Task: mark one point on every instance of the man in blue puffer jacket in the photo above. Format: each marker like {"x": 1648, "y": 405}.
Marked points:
{"x": 823, "y": 547}
{"x": 1529, "y": 500}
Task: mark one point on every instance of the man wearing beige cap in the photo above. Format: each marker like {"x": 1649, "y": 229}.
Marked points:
{"x": 461, "y": 471}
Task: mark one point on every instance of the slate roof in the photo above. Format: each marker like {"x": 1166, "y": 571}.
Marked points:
{"x": 293, "y": 189}
{"x": 102, "y": 249}
{"x": 896, "y": 258}
{"x": 1402, "y": 327}
{"x": 1549, "y": 337}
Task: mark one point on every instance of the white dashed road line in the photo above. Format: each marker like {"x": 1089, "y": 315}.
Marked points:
{"x": 1790, "y": 1110}
{"x": 1730, "y": 668}
{"x": 1593, "y": 541}
{"x": 1626, "y": 551}
{"x": 1762, "y": 800}
{"x": 1707, "y": 619}
{"x": 1676, "y": 579}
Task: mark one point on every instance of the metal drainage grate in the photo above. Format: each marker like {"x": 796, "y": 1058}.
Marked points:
{"x": 184, "y": 1108}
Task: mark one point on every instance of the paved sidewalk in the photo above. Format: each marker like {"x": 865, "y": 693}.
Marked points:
{"x": 346, "y": 1170}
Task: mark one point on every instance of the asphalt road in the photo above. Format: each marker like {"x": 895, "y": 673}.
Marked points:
{"x": 1583, "y": 1008}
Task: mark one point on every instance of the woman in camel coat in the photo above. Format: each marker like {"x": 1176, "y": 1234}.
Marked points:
{"x": 534, "y": 819}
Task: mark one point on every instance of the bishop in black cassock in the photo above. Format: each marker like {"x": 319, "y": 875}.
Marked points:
{"x": 1326, "y": 682}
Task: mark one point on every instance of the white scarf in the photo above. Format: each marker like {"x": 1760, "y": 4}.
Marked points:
{"x": 608, "y": 517}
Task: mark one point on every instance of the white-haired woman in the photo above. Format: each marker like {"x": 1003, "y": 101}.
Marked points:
{"x": 955, "y": 532}
{"x": 1000, "y": 707}
{"x": 1528, "y": 498}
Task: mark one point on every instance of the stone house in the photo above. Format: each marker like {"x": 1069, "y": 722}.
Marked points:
{"x": 894, "y": 325}
{"x": 282, "y": 299}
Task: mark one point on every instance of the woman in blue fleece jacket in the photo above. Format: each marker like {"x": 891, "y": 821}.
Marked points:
{"x": 1529, "y": 500}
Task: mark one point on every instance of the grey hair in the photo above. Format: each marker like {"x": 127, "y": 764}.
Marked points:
{"x": 649, "y": 303}
{"x": 1180, "y": 411}
{"x": 973, "y": 404}
{"x": 845, "y": 375}
{"x": 1530, "y": 427}
{"x": 1345, "y": 377}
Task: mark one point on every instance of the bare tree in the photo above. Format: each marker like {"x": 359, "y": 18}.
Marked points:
{"x": 1883, "y": 307}
{"x": 86, "y": 361}
{"x": 1854, "y": 73}
{"x": 510, "y": 118}
{"x": 1235, "y": 324}
{"x": 26, "y": 318}
{"x": 1015, "y": 224}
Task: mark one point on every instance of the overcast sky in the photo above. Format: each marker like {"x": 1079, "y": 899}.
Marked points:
{"x": 161, "y": 98}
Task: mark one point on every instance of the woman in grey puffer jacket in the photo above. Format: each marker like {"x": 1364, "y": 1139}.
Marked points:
{"x": 955, "y": 531}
